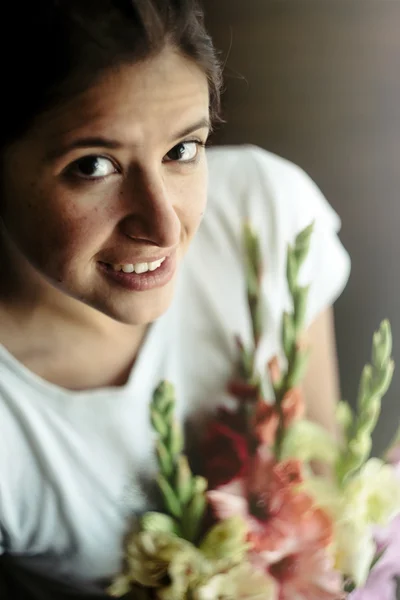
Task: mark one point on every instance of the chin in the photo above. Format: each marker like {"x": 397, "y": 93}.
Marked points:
{"x": 139, "y": 312}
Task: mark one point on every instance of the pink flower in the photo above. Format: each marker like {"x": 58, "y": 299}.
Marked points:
{"x": 307, "y": 575}
{"x": 381, "y": 581}
{"x": 304, "y": 575}
{"x": 280, "y": 519}
{"x": 288, "y": 534}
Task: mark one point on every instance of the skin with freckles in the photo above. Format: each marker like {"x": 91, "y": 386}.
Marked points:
{"x": 115, "y": 175}
{"x": 64, "y": 210}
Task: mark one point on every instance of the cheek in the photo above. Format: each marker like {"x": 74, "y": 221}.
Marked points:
{"x": 51, "y": 230}
{"x": 194, "y": 202}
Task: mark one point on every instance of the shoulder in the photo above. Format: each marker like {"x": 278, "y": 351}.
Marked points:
{"x": 279, "y": 200}
{"x": 16, "y": 414}
{"x": 256, "y": 183}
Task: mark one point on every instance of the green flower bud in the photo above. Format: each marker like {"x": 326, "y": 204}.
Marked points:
{"x": 158, "y": 522}
{"x": 184, "y": 480}
{"x": 384, "y": 379}
{"x": 176, "y": 440}
{"x": 344, "y": 416}
{"x": 158, "y": 423}
{"x": 164, "y": 459}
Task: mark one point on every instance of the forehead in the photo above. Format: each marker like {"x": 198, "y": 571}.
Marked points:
{"x": 133, "y": 101}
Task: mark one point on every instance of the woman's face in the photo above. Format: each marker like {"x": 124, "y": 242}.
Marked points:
{"x": 112, "y": 181}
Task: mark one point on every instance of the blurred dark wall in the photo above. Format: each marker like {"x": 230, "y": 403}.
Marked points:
{"x": 318, "y": 82}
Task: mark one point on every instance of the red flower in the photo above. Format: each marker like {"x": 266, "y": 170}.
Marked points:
{"x": 242, "y": 390}
{"x": 226, "y": 454}
{"x": 231, "y": 418}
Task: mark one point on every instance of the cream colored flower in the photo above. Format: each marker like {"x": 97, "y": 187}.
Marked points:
{"x": 240, "y": 583}
{"x": 373, "y": 495}
{"x": 226, "y": 541}
{"x": 307, "y": 441}
{"x": 153, "y": 556}
{"x": 353, "y": 550}
{"x": 187, "y": 573}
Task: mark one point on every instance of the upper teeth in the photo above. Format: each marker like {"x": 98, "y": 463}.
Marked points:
{"x": 139, "y": 267}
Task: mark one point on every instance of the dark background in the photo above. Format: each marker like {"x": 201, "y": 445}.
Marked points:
{"x": 318, "y": 82}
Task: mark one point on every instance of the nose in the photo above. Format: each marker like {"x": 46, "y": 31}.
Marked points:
{"x": 152, "y": 216}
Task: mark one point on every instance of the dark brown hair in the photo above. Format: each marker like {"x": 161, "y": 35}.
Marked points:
{"x": 53, "y": 49}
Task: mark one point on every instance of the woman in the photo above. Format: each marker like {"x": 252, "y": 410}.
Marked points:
{"x": 108, "y": 108}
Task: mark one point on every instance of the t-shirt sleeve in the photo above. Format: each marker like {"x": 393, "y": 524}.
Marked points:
{"x": 291, "y": 202}
{"x": 280, "y": 200}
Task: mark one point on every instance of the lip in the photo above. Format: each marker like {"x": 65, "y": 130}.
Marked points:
{"x": 142, "y": 282}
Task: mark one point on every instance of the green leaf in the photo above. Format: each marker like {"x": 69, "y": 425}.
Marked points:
{"x": 382, "y": 345}
{"x": 257, "y": 319}
{"x": 369, "y": 417}
{"x": 184, "y": 480}
{"x": 176, "y": 439}
{"x": 344, "y": 417}
{"x": 302, "y": 244}
{"x": 291, "y": 270}
{"x": 365, "y": 386}
{"x": 192, "y": 517}
{"x": 158, "y": 423}
{"x": 247, "y": 362}
{"x": 252, "y": 247}
{"x": 252, "y": 284}
{"x": 168, "y": 413}
{"x": 252, "y": 261}
{"x": 300, "y": 307}
{"x": 164, "y": 396}
{"x": 164, "y": 459}
{"x": 171, "y": 501}
{"x": 288, "y": 333}
{"x": 383, "y": 380}
{"x": 354, "y": 456}
{"x": 298, "y": 368}
{"x": 378, "y": 557}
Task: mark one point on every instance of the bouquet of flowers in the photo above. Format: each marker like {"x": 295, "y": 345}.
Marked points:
{"x": 264, "y": 521}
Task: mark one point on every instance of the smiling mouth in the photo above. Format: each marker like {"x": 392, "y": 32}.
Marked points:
{"x": 140, "y": 277}
{"x": 138, "y": 268}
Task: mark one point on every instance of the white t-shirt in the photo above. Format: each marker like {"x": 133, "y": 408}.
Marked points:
{"x": 75, "y": 466}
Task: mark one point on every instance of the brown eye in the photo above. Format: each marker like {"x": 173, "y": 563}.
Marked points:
{"x": 183, "y": 152}
{"x": 93, "y": 167}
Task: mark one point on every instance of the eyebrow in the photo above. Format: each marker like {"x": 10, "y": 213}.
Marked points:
{"x": 103, "y": 142}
